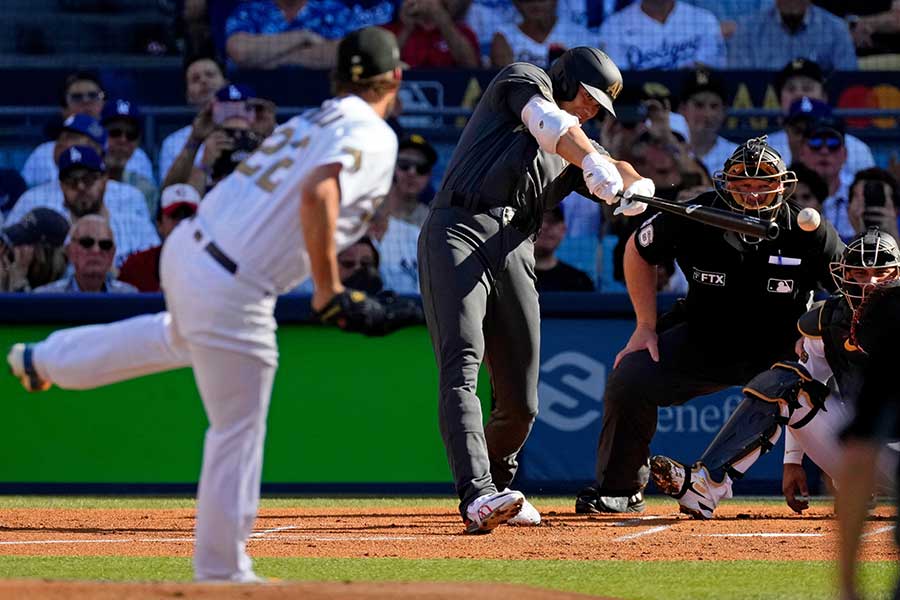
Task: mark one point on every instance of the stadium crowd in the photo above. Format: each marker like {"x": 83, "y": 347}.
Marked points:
{"x": 93, "y": 163}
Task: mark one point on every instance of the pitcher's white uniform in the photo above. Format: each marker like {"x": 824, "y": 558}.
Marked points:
{"x": 221, "y": 322}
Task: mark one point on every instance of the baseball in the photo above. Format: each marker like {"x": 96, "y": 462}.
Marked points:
{"x": 809, "y": 219}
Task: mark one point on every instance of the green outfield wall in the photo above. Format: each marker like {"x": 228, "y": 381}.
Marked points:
{"x": 345, "y": 409}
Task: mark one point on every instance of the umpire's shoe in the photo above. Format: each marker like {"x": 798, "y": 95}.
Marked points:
{"x": 589, "y": 502}
{"x": 697, "y": 492}
{"x": 21, "y": 365}
{"x": 487, "y": 512}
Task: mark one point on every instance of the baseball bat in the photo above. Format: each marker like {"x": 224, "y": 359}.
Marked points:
{"x": 716, "y": 217}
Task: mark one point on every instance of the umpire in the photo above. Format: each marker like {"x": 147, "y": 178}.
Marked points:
{"x": 518, "y": 156}
{"x": 738, "y": 318}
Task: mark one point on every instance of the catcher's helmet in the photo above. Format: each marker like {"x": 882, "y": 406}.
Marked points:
{"x": 869, "y": 260}
{"x": 755, "y": 179}
{"x": 590, "y": 69}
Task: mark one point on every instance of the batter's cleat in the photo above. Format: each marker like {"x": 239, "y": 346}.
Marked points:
{"x": 694, "y": 488}
{"x": 21, "y": 366}
{"x": 590, "y": 502}
{"x": 527, "y": 517}
{"x": 487, "y": 512}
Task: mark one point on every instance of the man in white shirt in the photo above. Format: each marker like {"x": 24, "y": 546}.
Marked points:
{"x": 84, "y": 188}
{"x": 703, "y": 106}
{"x": 663, "y": 34}
{"x": 202, "y": 77}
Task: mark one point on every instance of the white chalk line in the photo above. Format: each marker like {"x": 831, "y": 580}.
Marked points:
{"x": 631, "y": 536}
{"x": 759, "y": 534}
{"x": 878, "y": 531}
{"x": 265, "y": 532}
{"x": 637, "y": 521}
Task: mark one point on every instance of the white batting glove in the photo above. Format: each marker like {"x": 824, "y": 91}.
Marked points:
{"x": 629, "y": 207}
{"x": 601, "y": 177}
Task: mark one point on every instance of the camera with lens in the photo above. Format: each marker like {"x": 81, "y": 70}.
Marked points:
{"x": 245, "y": 143}
{"x": 873, "y": 197}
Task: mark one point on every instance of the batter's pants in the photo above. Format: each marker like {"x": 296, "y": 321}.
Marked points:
{"x": 639, "y": 386}
{"x": 478, "y": 291}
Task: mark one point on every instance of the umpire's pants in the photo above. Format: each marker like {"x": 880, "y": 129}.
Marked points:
{"x": 688, "y": 367}
{"x": 478, "y": 290}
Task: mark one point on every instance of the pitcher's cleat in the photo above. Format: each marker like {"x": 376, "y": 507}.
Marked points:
{"x": 21, "y": 366}
{"x": 698, "y": 494}
{"x": 487, "y": 512}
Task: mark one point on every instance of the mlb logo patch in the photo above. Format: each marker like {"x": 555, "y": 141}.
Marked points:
{"x": 781, "y": 286}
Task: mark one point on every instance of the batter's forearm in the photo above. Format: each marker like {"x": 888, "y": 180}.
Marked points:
{"x": 640, "y": 279}
{"x": 574, "y": 145}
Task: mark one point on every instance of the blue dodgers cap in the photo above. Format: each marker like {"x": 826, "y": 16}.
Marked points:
{"x": 86, "y": 125}
{"x": 120, "y": 108}
{"x": 235, "y": 92}
{"x": 83, "y": 157}
{"x": 807, "y": 108}
{"x": 40, "y": 225}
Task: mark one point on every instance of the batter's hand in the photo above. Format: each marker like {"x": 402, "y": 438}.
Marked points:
{"x": 601, "y": 177}
{"x": 631, "y": 208}
{"x": 644, "y": 337}
{"x": 353, "y": 310}
{"x": 793, "y": 480}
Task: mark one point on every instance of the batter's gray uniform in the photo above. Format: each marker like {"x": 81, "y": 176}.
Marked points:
{"x": 476, "y": 267}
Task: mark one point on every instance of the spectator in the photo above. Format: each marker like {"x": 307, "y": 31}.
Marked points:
{"x": 873, "y": 202}
{"x": 141, "y": 269}
{"x": 396, "y": 242}
{"x": 824, "y": 152}
{"x": 11, "y": 187}
{"x": 430, "y": 33}
{"x": 83, "y": 188}
{"x": 811, "y": 190}
{"x": 226, "y": 126}
{"x": 78, "y": 129}
{"x": 90, "y": 250}
{"x": 553, "y": 275}
{"x": 358, "y": 267}
{"x": 82, "y": 95}
{"x": 203, "y": 76}
{"x": 540, "y": 36}
{"x": 797, "y": 79}
{"x": 874, "y": 24}
{"x": 265, "y": 34}
{"x": 663, "y": 34}
{"x": 124, "y": 126}
{"x": 264, "y": 116}
{"x": 729, "y": 11}
{"x": 703, "y": 107}
{"x": 31, "y": 251}
{"x": 791, "y": 29}
{"x": 415, "y": 160}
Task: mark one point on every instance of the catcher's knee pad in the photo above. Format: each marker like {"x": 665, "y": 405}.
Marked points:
{"x": 790, "y": 383}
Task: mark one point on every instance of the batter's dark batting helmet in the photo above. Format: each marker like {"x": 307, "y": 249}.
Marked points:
{"x": 587, "y": 68}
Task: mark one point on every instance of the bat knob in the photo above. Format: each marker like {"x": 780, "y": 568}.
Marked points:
{"x": 772, "y": 231}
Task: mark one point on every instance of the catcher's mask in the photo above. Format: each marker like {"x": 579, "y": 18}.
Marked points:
{"x": 755, "y": 180}
{"x": 869, "y": 260}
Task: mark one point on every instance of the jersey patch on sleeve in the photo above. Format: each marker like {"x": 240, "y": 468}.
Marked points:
{"x": 645, "y": 235}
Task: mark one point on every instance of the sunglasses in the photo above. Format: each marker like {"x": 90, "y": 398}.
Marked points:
{"x": 130, "y": 134}
{"x": 420, "y": 168}
{"x": 356, "y": 264}
{"x": 82, "y": 97}
{"x": 832, "y": 143}
{"x": 87, "y": 180}
{"x": 87, "y": 242}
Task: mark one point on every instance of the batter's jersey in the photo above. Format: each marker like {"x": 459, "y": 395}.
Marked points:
{"x": 498, "y": 158}
{"x": 743, "y": 297}
{"x": 253, "y": 215}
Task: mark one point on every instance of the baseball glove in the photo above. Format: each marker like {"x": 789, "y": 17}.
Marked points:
{"x": 355, "y": 311}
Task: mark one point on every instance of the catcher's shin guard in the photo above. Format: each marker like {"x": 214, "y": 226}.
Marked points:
{"x": 755, "y": 425}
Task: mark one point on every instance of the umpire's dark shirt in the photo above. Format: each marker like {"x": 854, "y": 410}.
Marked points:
{"x": 498, "y": 158}
{"x": 743, "y": 298}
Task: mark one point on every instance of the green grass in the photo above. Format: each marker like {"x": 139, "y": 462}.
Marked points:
{"x": 676, "y": 580}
